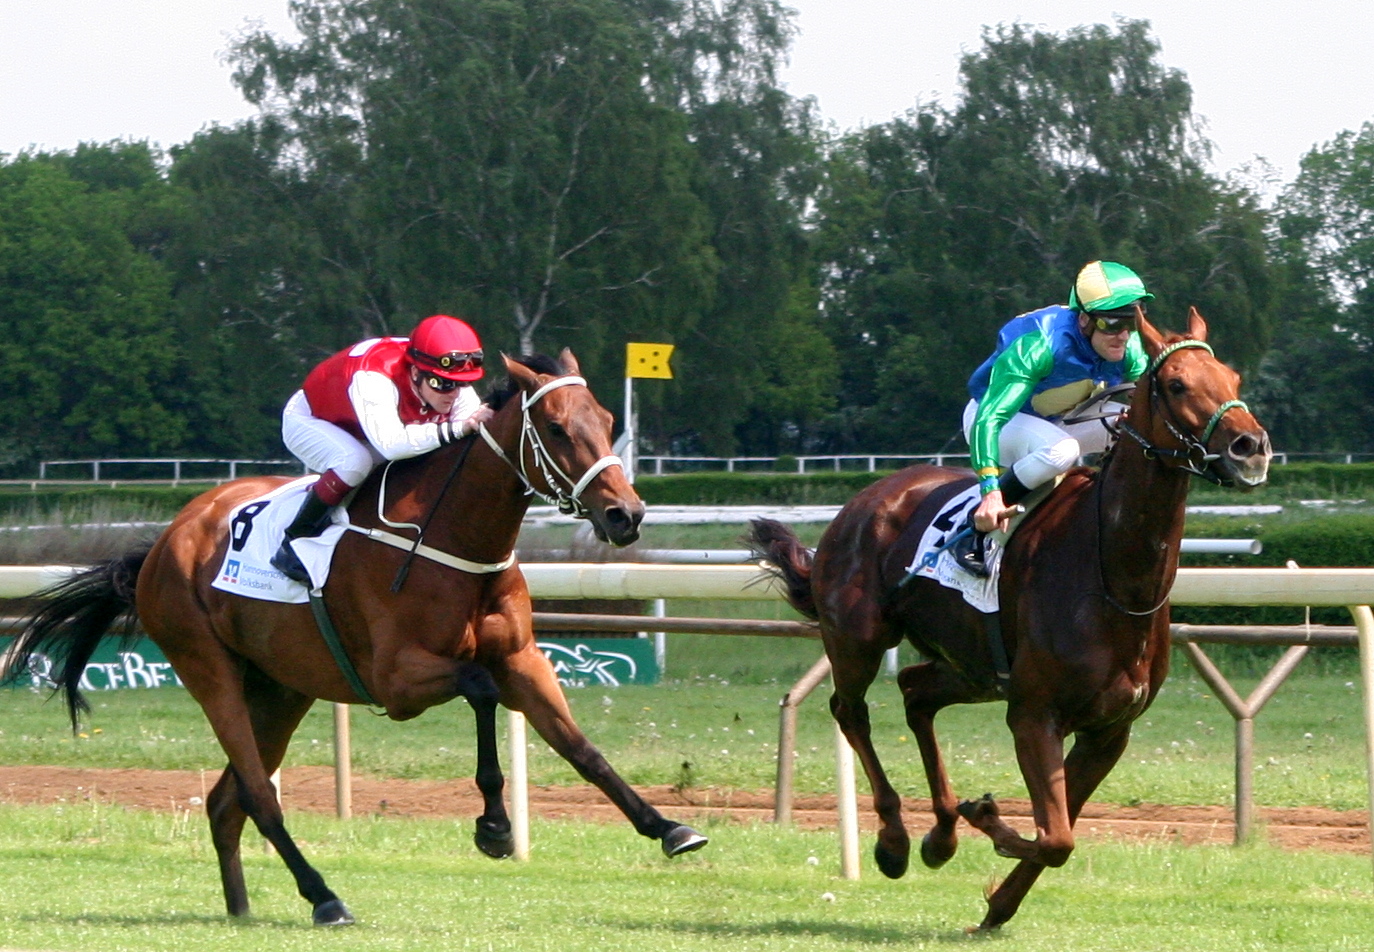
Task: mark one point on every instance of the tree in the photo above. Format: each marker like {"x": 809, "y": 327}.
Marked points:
{"x": 508, "y": 159}
{"x": 87, "y": 341}
{"x": 936, "y": 228}
{"x": 1315, "y": 391}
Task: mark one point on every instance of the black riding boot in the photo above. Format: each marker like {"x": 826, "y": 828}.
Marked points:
{"x": 314, "y": 517}
{"x": 970, "y": 552}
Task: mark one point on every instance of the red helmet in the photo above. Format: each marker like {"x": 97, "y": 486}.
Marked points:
{"x": 446, "y": 347}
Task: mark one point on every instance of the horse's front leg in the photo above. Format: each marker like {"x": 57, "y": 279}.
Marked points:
{"x": 528, "y": 685}
{"x": 493, "y": 836}
{"x": 416, "y": 679}
{"x": 1093, "y": 756}
{"x": 1040, "y": 753}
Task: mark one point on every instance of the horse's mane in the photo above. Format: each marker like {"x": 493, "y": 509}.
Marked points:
{"x": 539, "y": 363}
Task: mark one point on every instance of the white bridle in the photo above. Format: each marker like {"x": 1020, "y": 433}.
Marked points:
{"x": 566, "y": 491}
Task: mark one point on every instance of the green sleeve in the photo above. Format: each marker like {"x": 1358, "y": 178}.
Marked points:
{"x": 1015, "y": 373}
{"x": 1136, "y": 359}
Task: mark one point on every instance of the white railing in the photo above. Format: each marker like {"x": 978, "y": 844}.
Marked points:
{"x": 867, "y": 462}
{"x": 94, "y": 465}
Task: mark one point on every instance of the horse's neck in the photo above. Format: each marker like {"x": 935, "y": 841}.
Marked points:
{"x": 479, "y": 514}
{"x": 1140, "y": 524}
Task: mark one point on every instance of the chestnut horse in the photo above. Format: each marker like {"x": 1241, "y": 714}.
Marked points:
{"x": 1083, "y": 597}
{"x": 257, "y": 666}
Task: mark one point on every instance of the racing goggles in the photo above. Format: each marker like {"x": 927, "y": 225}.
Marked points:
{"x": 458, "y": 361}
{"x": 441, "y": 384}
{"x": 1112, "y": 324}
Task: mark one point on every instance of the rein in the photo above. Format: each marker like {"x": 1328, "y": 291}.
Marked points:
{"x": 567, "y": 495}
{"x": 1193, "y": 446}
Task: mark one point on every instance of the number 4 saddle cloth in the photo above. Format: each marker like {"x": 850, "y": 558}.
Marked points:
{"x": 255, "y": 533}
{"x": 933, "y": 553}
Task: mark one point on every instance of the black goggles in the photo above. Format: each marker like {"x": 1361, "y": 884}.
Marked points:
{"x": 1114, "y": 325}
{"x": 441, "y": 384}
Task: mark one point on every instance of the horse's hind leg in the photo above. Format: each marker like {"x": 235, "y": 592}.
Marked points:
{"x": 927, "y": 688}
{"x": 275, "y": 711}
{"x": 230, "y": 699}
{"x": 1093, "y": 756}
{"x": 855, "y": 656}
{"x": 493, "y": 836}
{"x": 529, "y": 685}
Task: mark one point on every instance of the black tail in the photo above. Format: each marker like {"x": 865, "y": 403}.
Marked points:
{"x": 77, "y": 613}
{"x": 779, "y": 546}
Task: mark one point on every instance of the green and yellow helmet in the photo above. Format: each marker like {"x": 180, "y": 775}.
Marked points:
{"x": 1106, "y": 286}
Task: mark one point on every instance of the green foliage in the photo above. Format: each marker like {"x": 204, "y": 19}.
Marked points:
{"x": 87, "y": 341}
{"x": 1315, "y": 390}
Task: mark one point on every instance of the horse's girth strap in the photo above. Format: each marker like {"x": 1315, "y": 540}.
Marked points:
{"x": 435, "y": 555}
{"x": 336, "y": 648}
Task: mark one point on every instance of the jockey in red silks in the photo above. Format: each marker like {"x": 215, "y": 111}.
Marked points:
{"x": 382, "y": 399}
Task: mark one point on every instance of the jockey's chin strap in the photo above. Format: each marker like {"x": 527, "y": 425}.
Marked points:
{"x": 564, "y": 491}
{"x": 1194, "y": 455}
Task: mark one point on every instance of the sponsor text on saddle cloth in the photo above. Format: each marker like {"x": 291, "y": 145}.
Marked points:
{"x": 255, "y": 531}
{"x": 934, "y": 558}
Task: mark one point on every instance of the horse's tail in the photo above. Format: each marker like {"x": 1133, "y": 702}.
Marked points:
{"x": 75, "y": 615}
{"x": 788, "y": 559}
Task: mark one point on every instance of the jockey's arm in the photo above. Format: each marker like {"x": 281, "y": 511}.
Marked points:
{"x": 376, "y": 403}
{"x": 1015, "y": 373}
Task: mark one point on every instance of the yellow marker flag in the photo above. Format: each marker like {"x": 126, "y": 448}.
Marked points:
{"x": 648, "y": 360}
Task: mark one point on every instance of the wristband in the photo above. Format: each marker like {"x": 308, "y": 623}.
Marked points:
{"x": 989, "y": 484}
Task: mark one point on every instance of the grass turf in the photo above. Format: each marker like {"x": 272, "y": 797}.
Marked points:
{"x": 419, "y": 884}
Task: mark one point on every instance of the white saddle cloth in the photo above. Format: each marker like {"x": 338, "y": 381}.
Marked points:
{"x": 932, "y": 560}
{"x": 255, "y": 533}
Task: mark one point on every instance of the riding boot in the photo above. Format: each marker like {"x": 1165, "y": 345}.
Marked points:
{"x": 970, "y": 552}
{"x": 314, "y": 517}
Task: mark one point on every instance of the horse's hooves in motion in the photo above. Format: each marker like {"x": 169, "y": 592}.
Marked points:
{"x": 937, "y": 853}
{"x": 332, "y": 913}
{"x": 493, "y": 840}
{"x": 890, "y": 864}
{"x": 682, "y": 839}
{"x": 978, "y": 811}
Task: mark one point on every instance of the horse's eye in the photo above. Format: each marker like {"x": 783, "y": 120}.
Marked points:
{"x": 558, "y": 431}
{"x": 1177, "y": 387}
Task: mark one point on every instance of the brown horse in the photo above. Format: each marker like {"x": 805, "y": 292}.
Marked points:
{"x": 1083, "y": 609}
{"x": 257, "y": 666}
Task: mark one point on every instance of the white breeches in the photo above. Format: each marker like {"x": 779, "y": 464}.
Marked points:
{"x": 1038, "y": 450}
{"x": 321, "y": 445}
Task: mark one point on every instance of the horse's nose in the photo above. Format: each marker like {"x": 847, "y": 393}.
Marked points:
{"x": 622, "y": 523}
{"x": 1245, "y": 446}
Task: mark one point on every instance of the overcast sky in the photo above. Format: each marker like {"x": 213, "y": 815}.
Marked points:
{"x": 1270, "y": 77}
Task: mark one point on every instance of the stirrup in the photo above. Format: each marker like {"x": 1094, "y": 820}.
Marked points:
{"x": 288, "y": 563}
{"x": 970, "y": 554}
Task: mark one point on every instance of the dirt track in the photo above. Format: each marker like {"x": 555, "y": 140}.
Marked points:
{"x": 312, "y": 789}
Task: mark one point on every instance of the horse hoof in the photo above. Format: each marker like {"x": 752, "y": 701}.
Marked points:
{"x": 975, "y": 810}
{"x": 682, "y": 839}
{"x": 890, "y": 864}
{"x": 935, "y": 856}
{"x": 494, "y": 841}
{"x": 332, "y": 913}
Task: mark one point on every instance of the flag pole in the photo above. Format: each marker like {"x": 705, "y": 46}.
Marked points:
{"x": 631, "y": 450}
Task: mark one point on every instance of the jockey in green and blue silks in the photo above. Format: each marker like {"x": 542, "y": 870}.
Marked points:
{"x": 1045, "y": 363}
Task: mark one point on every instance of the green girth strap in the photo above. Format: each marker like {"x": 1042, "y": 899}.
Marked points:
{"x": 336, "y": 648}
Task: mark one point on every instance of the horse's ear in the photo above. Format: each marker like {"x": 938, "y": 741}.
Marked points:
{"x": 524, "y": 378}
{"x": 1150, "y": 337}
{"x": 1197, "y": 327}
{"x": 569, "y": 362}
